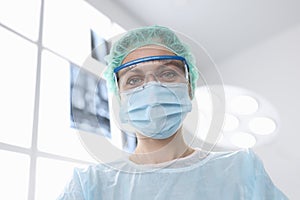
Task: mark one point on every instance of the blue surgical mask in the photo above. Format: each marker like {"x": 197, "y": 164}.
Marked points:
{"x": 156, "y": 110}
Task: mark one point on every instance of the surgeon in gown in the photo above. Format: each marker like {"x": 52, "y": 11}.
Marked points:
{"x": 154, "y": 76}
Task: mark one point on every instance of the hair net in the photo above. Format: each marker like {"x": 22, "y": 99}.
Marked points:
{"x": 151, "y": 35}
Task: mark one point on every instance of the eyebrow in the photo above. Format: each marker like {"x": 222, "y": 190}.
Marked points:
{"x": 124, "y": 71}
{"x": 177, "y": 63}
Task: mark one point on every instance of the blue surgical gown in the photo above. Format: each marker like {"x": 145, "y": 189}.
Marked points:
{"x": 236, "y": 175}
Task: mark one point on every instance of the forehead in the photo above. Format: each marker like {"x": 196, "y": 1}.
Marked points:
{"x": 145, "y": 51}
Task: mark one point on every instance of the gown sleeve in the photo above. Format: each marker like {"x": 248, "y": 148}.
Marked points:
{"x": 263, "y": 185}
{"x": 73, "y": 190}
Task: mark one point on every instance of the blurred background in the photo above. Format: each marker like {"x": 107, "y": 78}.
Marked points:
{"x": 43, "y": 44}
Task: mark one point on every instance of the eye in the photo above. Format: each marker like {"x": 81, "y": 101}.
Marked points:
{"x": 168, "y": 75}
{"x": 134, "y": 81}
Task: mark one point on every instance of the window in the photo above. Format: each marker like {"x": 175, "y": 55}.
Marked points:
{"x": 14, "y": 183}
{"x": 21, "y": 16}
{"x": 40, "y": 40}
{"x": 18, "y": 71}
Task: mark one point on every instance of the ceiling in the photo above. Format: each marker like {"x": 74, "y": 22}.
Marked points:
{"x": 223, "y": 27}
{"x": 256, "y": 46}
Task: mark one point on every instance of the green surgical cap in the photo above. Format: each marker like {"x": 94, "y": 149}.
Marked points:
{"x": 150, "y": 35}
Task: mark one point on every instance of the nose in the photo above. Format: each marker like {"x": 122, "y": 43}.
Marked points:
{"x": 150, "y": 78}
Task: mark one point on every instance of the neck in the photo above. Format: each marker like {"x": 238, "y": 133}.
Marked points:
{"x": 153, "y": 151}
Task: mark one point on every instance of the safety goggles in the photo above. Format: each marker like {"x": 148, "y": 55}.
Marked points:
{"x": 162, "y": 69}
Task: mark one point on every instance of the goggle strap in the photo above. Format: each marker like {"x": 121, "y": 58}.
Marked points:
{"x": 150, "y": 58}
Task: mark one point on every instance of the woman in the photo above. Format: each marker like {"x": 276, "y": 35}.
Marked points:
{"x": 154, "y": 76}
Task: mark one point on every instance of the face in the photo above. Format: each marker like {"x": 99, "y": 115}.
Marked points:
{"x": 155, "y": 110}
{"x": 165, "y": 71}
